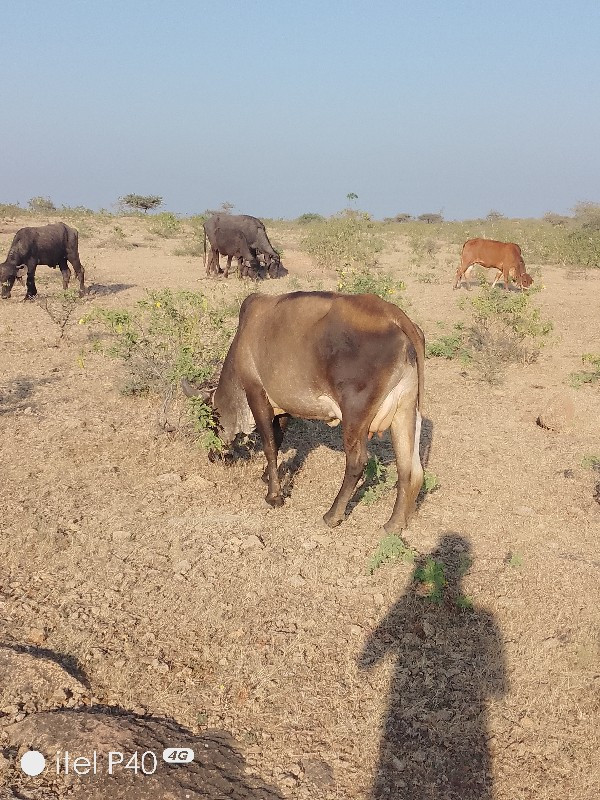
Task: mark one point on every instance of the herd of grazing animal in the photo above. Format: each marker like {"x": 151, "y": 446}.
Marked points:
{"x": 355, "y": 359}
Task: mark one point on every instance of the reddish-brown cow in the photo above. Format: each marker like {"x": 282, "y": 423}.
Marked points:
{"x": 504, "y": 256}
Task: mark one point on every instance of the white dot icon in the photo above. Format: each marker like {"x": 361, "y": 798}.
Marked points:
{"x": 33, "y": 763}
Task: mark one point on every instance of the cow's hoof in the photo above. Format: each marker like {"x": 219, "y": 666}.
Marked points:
{"x": 393, "y": 527}
{"x": 29, "y": 297}
{"x": 5, "y": 297}
{"x": 276, "y": 501}
{"x": 331, "y": 521}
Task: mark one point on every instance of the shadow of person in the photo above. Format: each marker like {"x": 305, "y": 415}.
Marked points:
{"x": 448, "y": 662}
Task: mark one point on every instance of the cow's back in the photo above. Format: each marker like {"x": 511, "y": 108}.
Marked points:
{"x": 324, "y": 340}
{"x": 490, "y": 252}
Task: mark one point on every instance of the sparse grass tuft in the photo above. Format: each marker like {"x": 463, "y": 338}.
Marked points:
{"x": 379, "y": 480}
{"x": 578, "y": 379}
{"x": 591, "y": 462}
{"x": 390, "y": 548}
{"x": 430, "y": 482}
{"x": 450, "y": 346}
{"x": 431, "y": 579}
{"x": 60, "y": 308}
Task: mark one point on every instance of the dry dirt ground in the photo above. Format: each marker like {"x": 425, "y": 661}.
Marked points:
{"x": 163, "y": 585}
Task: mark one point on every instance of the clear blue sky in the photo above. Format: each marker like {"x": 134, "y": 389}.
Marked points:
{"x": 283, "y": 107}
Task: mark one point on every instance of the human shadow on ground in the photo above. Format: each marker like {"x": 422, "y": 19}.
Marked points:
{"x": 448, "y": 662}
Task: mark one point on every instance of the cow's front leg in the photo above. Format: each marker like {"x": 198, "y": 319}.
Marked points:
{"x": 280, "y": 424}
{"x": 355, "y": 445}
{"x": 31, "y": 287}
{"x": 262, "y": 411}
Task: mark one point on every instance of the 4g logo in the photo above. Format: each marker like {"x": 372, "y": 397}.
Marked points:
{"x": 178, "y": 755}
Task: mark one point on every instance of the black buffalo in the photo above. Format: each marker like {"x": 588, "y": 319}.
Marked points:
{"x": 228, "y": 241}
{"x": 53, "y": 245}
{"x": 229, "y": 227}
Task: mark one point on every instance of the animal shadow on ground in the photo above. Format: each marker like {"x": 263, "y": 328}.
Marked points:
{"x": 304, "y": 436}
{"x": 103, "y": 290}
{"x": 14, "y": 396}
{"x": 449, "y": 660}
{"x": 67, "y": 662}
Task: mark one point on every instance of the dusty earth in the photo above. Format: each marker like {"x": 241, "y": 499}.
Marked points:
{"x": 141, "y": 581}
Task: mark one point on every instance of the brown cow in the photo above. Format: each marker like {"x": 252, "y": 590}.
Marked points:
{"x": 354, "y": 359}
{"x": 503, "y": 256}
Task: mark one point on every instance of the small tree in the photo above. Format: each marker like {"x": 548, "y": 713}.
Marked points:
{"x": 587, "y": 214}
{"x": 140, "y": 201}
{"x": 430, "y": 218}
{"x": 495, "y": 216}
{"x": 351, "y": 197}
{"x": 402, "y": 217}
{"x": 41, "y": 205}
{"x": 556, "y": 220}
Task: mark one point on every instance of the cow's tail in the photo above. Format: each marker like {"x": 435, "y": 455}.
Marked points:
{"x": 417, "y": 339}
{"x": 204, "y": 251}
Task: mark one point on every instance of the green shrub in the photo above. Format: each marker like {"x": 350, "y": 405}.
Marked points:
{"x": 41, "y": 205}
{"x": 506, "y": 328}
{"x": 364, "y": 281}
{"x": 166, "y": 337}
{"x": 348, "y": 240}
{"x": 10, "y": 210}
{"x": 165, "y": 225}
{"x": 450, "y": 346}
{"x": 305, "y": 219}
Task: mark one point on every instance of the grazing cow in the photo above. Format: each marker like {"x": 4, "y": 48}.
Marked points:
{"x": 228, "y": 241}
{"x": 53, "y": 245}
{"x": 503, "y": 256}
{"x": 354, "y": 359}
{"x": 255, "y": 234}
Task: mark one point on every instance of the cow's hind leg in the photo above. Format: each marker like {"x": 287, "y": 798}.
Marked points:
{"x": 65, "y": 272}
{"x": 459, "y": 275}
{"x": 355, "y": 445}
{"x": 406, "y": 433}
{"x": 79, "y": 274}
{"x": 262, "y": 411}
